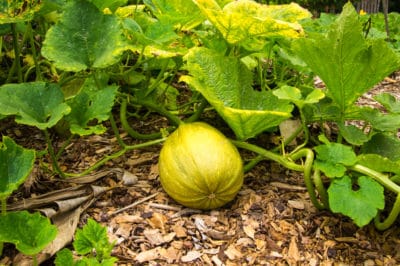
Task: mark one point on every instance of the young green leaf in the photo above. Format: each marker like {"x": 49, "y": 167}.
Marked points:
{"x": 93, "y": 237}
{"x": 332, "y": 159}
{"x": 91, "y": 104}
{"x": 15, "y": 165}
{"x": 29, "y": 232}
{"x": 294, "y": 95}
{"x": 348, "y": 63}
{"x": 36, "y": 104}
{"x": 75, "y": 44}
{"x": 226, "y": 83}
{"x": 64, "y": 257}
{"x": 361, "y": 205}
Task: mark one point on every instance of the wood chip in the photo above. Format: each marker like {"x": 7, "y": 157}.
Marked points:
{"x": 191, "y": 256}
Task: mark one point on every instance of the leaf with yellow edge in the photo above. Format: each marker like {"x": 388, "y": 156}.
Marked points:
{"x": 241, "y": 21}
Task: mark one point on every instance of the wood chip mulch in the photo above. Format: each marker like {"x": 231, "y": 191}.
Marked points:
{"x": 270, "y": 222}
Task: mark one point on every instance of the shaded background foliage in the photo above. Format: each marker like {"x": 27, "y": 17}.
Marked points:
{"x": 331, "y": 6}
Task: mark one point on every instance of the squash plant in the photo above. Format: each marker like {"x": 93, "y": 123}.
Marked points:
{"x": 253, "y": 64}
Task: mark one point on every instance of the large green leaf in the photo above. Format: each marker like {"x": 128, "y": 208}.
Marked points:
{"x": 36, "y": 104}
{"x": 241, "y": 21}
{"x": 30, "y": 233}
{"x": 112, "y": 5}
{"x": 361, "y": 205}
{"x": 379, "y": 163}
{"x": 84, "y": 38}
{"x": 15, "y": 165}
{"x": 390, "y": 102}
{"x": 183, "y": 14}
{"x": 149, "y": 36}
{"x": 348, "y": 63}
{"x": 90, "y": 105}
{"x": 226, "y": 83}
{"x": 385, "y": 145}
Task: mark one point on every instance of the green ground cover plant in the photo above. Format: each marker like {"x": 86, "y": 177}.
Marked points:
{"x": 253, "y": 64}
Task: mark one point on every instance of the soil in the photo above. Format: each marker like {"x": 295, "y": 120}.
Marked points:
{"x": 270, "y": 222}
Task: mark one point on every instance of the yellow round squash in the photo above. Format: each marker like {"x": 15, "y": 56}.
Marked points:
{"x": 199, "y": 167}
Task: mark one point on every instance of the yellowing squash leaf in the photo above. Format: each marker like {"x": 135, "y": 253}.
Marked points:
{"x": 244, "y": 20}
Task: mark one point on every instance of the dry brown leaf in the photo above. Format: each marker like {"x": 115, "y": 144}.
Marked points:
{"x": 129, "y": 179}
{"x": 158, "y": 220}
{"x": 123, "y": 230}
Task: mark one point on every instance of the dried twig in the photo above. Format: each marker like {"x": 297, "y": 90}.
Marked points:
{"x": 135, "y": 203}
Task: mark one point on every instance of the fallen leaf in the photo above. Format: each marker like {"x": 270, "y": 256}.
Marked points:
{"x": 158, "y": 220}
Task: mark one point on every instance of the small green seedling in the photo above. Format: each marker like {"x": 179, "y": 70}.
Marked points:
{"x": 91, "y": 242}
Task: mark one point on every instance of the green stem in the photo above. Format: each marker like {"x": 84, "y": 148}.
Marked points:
{"x": 308, "y": 166}
{"x": 269, "y": 155}
{"x": 115, "y": 155}
{"x": 34, "y": 52}
{"x": 319, "y": 185}
{"x": 175, "y": 120}
{"x": 381, "y": 178}
{"x": 392, "y": 217}
{"x": 52, "y": 154}
{"x": 16, "y": 66}
{"x": 65, "y": 144}
{"x": 288, "y": 163}
{"x": 194, "y": 117}
{"x": 125, "y": 125}
{"x": 116, "y": 132}
{"x": 35, "y": 261}
{"x": 160, "y": 78}
{"x": 388, "y": 184}
{"x": 253, "y": 163}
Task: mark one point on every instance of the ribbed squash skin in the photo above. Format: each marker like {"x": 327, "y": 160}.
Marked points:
{"x": 199, "y": 167}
